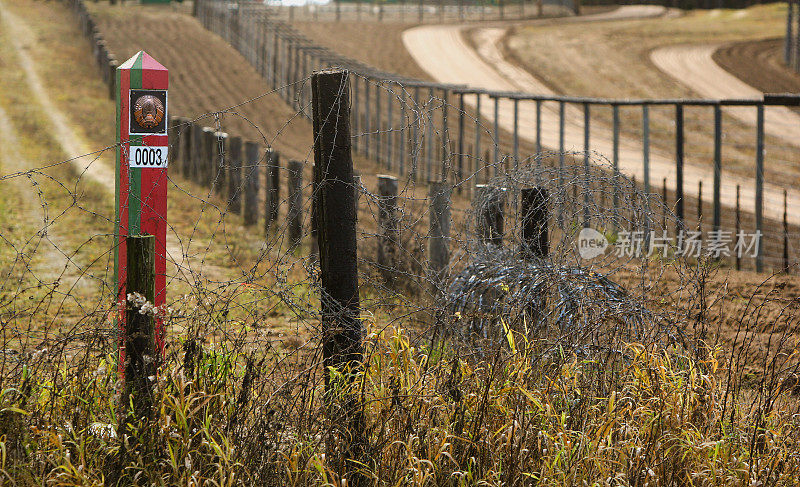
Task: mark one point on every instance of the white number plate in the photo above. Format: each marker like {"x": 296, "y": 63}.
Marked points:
{"x": 142, "y": 156}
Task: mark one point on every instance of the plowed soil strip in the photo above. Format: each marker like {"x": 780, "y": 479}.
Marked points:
{"x": 444, "y": 54}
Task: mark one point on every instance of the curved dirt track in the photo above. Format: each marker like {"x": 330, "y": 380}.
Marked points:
{"x": 442, "y": 52}
{"x": 760, "y": 63}
{"x": 694, "y": 66}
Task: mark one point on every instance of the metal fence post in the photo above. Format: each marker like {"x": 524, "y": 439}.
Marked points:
{"x": 538, "y": 126}
{"x": 646, "y": 146}
{"x": 516, "y": 133}
{"x": 460, "y": 156}
{"x": 759, "y": 209}
{"x": 615, "y": 156}
{"x": 717, "y": 164}
{"x": 586, "y": 160}
{"x": 679, "y": 164}
{"x": 496, "y": 161}
{"x": 439, "y": 196}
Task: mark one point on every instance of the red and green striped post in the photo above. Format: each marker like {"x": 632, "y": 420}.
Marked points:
{"x": 141, "y": 173}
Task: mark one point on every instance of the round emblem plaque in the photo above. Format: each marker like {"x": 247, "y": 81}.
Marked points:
{"x": 148, "y": 111}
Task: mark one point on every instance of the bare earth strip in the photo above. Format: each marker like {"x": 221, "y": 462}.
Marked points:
{"x": 695, "y": 67}
{"x": 94, "y": 165}
{"x": 20, "y": 36}
{"x": 442, "y": 52}
{"x": 51, "y": 263}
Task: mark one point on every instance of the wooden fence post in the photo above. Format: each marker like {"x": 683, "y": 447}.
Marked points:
{"x": 187, "y": 148}
{"x": 389, "y": 232}
{"x": 490, "y": 201}
{"x": 535, "y": 241}
{"x": 112, "y": 77}
{"x": 438, "y": 241}
{"x": 251, "y": 183}
{"x": 174, "y": 154}
{"x": 140, "y": 354}
{"x": 335, "y": 208}
{"x": 209, "y": 143}
{"x": 235, "y": 175}
{"x": 357, "y": 189}
{"x": 295, "y": 213}
{"x": 219, "y": 162}
{"x": 273, "y": 187}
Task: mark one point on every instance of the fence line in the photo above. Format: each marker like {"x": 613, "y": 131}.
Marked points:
{"x": 380, "y": 132}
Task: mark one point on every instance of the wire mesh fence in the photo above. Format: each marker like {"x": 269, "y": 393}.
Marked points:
{"x": 420, "y": 12}
{"x": 727, "y": 147}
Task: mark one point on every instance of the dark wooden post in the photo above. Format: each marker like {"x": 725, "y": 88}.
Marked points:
{"x": 197, "y": 152}
{"x": 219, "y": 163}
{"x": 295, "y": 215}
{"x": 357, "y": 189}
{"x": 235, "y": 175}
{"x": 533, "y": 205}
{"x": 174, "y": 154}
{"x": 140, "y": 357}
{"x": 490, "y": 201}
{"x": 186, "y": 129}
{"x": 251, "y": 183}
{"x": 112, "y": 77}
{"x": 273, "y": 187}
{"x": 205, "y": 174}
{"x": 389, "y": 234}
{"x": 334, "y": 202}
{"x": 438, "y": 241}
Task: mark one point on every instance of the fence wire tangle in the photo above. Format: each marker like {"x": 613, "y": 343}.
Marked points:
{"x": 476, "y": 309}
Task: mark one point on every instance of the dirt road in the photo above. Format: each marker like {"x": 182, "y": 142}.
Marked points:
{"x": 442, "y": 52}
{"x": 695, "y": 67}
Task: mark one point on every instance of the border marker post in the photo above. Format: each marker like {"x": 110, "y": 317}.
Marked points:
{"x": 141, "y": 175}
